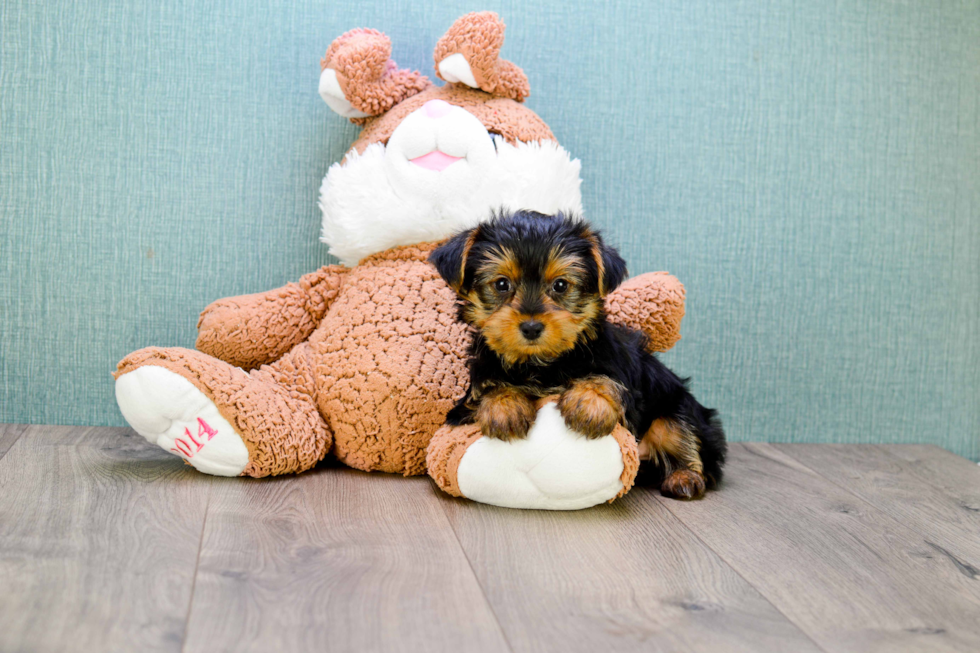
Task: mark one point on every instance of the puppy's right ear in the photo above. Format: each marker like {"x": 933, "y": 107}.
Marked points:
{"x": 449, "y": 258}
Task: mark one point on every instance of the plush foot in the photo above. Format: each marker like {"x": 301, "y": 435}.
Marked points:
{"x": 265, "y": 422}
{"x": 683, "y": 484}
{"x": 553, "y": 468}
{"x": 170, "y": 412}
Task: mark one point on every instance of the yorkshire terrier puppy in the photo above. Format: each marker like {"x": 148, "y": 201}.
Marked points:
{"x": 533, "y": 286}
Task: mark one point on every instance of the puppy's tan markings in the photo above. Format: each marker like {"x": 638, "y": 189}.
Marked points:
{"x": 505, "y": 413}
{"x": 500, "y": 263}
{"x": 563, "y": 330}
{"x": 562, "y": 265}
{"x": 671, "y": 437}
{"x": 670, "y": 440}
{"x": 593, "y": 406}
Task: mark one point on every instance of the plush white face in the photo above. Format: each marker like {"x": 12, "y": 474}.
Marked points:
{"x": 440, "y": 172}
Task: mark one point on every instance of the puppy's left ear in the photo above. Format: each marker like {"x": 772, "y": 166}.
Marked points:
{"x": 612, "y": 267}
{"x": 449, "y": 258}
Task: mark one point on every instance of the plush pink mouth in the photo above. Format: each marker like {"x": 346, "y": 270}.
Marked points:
{"x": 435, "y": 160}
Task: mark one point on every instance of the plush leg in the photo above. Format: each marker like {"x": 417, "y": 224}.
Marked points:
{"x": 553, "y": 468}
{"x": 221, "y": 419}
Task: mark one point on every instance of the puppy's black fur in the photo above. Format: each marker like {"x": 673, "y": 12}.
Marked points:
{"x": 534, "y": 287}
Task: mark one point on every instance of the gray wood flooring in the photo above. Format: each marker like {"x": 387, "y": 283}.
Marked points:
{"x": 109, "y": 544}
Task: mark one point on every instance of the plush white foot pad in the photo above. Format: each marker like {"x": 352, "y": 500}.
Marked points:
{"x": 554, "y": 468}
{"x": 167, "y": 410}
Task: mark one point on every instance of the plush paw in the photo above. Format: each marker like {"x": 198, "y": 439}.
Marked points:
{"x": 553, "y": 468}
{"x": 683, "y": 484}
{"x": 170, "y": 412}
{"x": 592, "y": 406}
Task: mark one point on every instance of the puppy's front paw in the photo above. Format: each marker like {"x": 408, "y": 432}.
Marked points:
{"x": 505, "y": 414}
{"x": 592, "y": 406}
{"x": 683, "y": 484}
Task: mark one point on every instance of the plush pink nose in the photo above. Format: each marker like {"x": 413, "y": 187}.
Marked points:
{"x": 437, "y": 108}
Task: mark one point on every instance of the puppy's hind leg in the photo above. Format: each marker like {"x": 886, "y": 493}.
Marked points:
{"x": 671, "y": 444}
{"x": 691, "y": 449}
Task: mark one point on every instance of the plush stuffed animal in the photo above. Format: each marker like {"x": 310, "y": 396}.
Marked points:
{"x": 363, "y": 360}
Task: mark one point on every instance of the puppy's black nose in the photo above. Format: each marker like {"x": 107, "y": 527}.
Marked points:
{"x": 531, "y": 329}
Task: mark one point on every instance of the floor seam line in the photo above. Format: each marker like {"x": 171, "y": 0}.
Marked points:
{"x": 887, "y": 515}
{"x": 901, "y": 524}
{"x": 197, "y": 565}
{"x": 663, "y": 502}
{"x": 469, "y": 564}
{"x": 16, "y": 439}
{"x": 886, "y": 448}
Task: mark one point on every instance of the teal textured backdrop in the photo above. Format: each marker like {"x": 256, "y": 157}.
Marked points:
{"x": 810, "y": 171}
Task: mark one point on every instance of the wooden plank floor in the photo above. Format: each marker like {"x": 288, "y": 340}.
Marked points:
{"x": 110, "y": 544}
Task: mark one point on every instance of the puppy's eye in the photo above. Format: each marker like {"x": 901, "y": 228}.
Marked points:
{"x": 559, "y": 286}
{"x": 501, "y": 285}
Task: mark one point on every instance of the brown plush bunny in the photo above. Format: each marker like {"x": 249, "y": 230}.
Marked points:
{"x": 363, "y": 360}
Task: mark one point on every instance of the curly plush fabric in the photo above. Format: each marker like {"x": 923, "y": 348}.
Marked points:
{"x": 373, "y": 85}
{"x": 479, "y": 37}
{"x": 252, "y": 330}
{"x": 631, "y": 459}
{"x": 390, "y": 361}
{"x": 370, "y": 80}
{"x": 653, "y": 303}
{"x": 445, "y": 451}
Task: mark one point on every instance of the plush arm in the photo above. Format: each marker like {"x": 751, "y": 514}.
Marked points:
{"x": 253, "y": 330}
{"x": 653, "y": 303}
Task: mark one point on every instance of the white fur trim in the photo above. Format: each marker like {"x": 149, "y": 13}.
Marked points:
{"x": 168, "y": 410}
{"x": 554, "y": 468}
{"x": 379, "y": 199}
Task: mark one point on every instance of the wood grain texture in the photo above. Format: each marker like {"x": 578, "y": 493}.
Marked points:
{"x": 622, "y": 577}
{"x": 948, "y": 520}
{"x": 98, "y": 542}
{"x": 110, "y": 544}
{"x": 952, "y": 474}
{"x": 335, "y": 559}
{"x": 8, "y": 435}
{"x": 850, "y": 576}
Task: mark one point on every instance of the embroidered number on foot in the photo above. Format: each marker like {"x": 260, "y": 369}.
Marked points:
{"x": 183, "y": 448}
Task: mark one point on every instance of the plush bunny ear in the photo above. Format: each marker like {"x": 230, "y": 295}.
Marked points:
{"x": 358, "y": 78}
{"x": 469, "y": 53}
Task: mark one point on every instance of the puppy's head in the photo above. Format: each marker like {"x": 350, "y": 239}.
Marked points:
{"x": 533, "y": 284}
